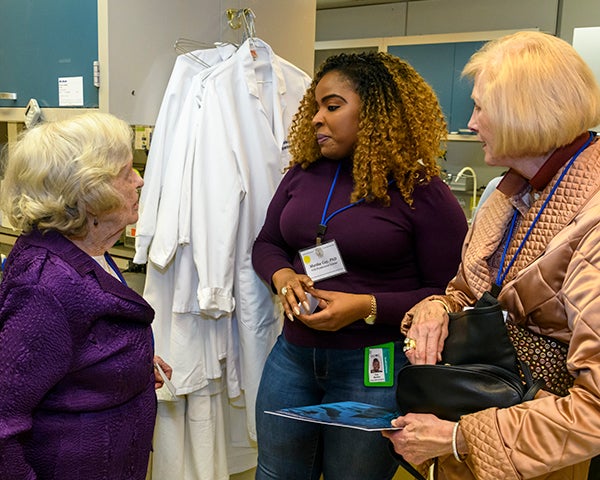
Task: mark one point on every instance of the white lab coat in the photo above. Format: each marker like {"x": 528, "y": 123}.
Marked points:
{"x": 199, "y": 437}
{"x": 215, "y": 318}
{"x": 184, "y": 70}
{"x": 240, "y": 154}
{"x": 195, "y": 344}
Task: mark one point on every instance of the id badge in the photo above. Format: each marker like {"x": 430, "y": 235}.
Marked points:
{"x": 322, "y": 261}
{"x": 379, "y": 365}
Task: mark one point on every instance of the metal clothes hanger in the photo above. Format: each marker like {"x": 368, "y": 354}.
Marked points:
{"x": 187, "y": 46}
{"x": 236, "y": 19}
{"x": 244, "y": 18}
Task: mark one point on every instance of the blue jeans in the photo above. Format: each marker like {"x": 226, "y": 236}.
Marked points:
{"x": 293, "y": 450}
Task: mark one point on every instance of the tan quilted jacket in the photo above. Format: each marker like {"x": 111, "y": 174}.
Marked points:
{"x": 554, "y": 288}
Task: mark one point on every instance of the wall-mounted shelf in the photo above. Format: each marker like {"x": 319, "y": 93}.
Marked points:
{"x": 457, "y": 137}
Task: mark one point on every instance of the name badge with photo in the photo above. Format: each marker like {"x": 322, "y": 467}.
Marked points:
{"x": 379, "y": 365}
{"x": 322, "y": 261}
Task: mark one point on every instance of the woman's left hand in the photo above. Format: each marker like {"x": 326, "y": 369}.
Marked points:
{"x": 422, "y": 436}
{"x": 158, "y": 381}
{"x": 337, "y": 310}
{"x": 428, "y": 330}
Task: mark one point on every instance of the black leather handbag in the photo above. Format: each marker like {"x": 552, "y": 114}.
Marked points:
{"x": 479, "y": 369}
{"x": 450, "y": 391}
{"x": 479, "y": 335}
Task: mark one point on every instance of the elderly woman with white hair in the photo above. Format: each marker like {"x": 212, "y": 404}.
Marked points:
{"x": 77, "y": 357}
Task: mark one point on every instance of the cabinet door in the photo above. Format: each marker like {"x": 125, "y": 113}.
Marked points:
{"x": 441, "y": 64}
{"x": 435, "y": 63}
{"x": 41, "y": 41}
{"x": 462, "y": 104}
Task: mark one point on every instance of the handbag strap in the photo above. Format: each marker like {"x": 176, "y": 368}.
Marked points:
{"x": 486, "y": 300}
{"x": 404, "y": 464}
{"x": 531, "y": 392}
{"x": 409, "y": 468}
{"x": 533, "y": 386}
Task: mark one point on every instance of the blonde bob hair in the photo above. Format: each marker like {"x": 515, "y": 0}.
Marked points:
{"x": 59, "y": 173}
{"x": 536, "y": 91}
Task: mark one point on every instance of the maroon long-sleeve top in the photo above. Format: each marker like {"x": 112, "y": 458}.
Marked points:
{"x": 401, "y": 253}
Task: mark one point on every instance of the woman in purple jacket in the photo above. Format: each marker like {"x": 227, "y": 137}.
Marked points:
{"x": 362, "y": 222}
{"x": 77, "y": 382}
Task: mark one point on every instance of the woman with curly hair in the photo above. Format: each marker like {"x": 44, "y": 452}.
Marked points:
{"x": 360, "y": 229}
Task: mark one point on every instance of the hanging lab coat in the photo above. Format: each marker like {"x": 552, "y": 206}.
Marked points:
{"x": 240, "y": 155}
{"x": 200, "y": 436}
{"x": 231, "y": 134}
{"x": 194, "y": 344}
{"x": 184, "y": 70}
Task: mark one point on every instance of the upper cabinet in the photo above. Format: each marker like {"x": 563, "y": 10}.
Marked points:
{"x": 42, "y": 41}
{"x": 441, "y": 64}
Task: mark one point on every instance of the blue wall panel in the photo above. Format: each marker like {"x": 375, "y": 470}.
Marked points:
{"x": 441, "y": 64}
{"x": 42, "y": 40}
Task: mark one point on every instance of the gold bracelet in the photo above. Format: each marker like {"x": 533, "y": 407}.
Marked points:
{"x": 438, "y": 300}
{"x": 459, "y": 458}
{"x": 370, "y": 320}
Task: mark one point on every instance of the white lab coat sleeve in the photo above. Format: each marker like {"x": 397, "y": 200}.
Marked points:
{"x": 151, "y": 191}
{"x": 186, "y": 186}
{"x": 166, "y": 234}
{"x": 216, "y": 198}
{"x": 186, "y": 68}
{"x": 160, "y": 148}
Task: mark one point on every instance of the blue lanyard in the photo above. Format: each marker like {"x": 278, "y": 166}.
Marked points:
{"x": 322, "y": 228}
{"x": 503, "y": 273}
{"x": 113, "y": 265}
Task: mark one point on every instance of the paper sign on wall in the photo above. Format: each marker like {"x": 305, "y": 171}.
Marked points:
{"x": 70, "y": 92}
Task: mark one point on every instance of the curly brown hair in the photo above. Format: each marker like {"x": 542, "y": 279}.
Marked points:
{"x": 401, "y": 125}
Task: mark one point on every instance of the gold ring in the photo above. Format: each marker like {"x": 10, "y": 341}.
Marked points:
{"x": 409, "y": 344}
{"x": 284, "y": 291}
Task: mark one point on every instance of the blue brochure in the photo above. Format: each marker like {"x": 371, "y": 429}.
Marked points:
{"x": 362, "y": 416}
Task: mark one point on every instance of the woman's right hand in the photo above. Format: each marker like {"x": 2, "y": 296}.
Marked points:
{"x": 166, "y": 368}
{"x": 422, "y": 436}
{"x": 427, "y": 333}
{"x": 291, "y": 288}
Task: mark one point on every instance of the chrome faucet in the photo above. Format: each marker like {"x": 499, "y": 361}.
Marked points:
{"x": 469, "y": 170}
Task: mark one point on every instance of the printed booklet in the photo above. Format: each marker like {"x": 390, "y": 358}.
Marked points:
{"x": 362, "y": 416}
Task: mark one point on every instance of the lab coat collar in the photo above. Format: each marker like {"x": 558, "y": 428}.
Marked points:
{"x": 251, "y": 61}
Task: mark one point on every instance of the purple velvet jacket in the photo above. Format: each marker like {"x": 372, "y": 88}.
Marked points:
{"x": 77, "y": 394}
{"x": 400, "y": 253}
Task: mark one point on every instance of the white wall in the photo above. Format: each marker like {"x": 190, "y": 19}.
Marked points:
{"x": 577, "y": 13}
{"x": 136, "y": 40}
{"x": 288, "y": 26}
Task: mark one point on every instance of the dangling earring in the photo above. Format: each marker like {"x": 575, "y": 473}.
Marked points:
{"x": 95, "y": 221}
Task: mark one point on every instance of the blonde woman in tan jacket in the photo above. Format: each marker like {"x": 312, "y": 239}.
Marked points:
{"x": 535, "y": 99}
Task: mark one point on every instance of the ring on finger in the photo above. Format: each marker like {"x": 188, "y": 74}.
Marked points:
{"x": 409, "y": 344}
{"x": 284, "y": 290}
